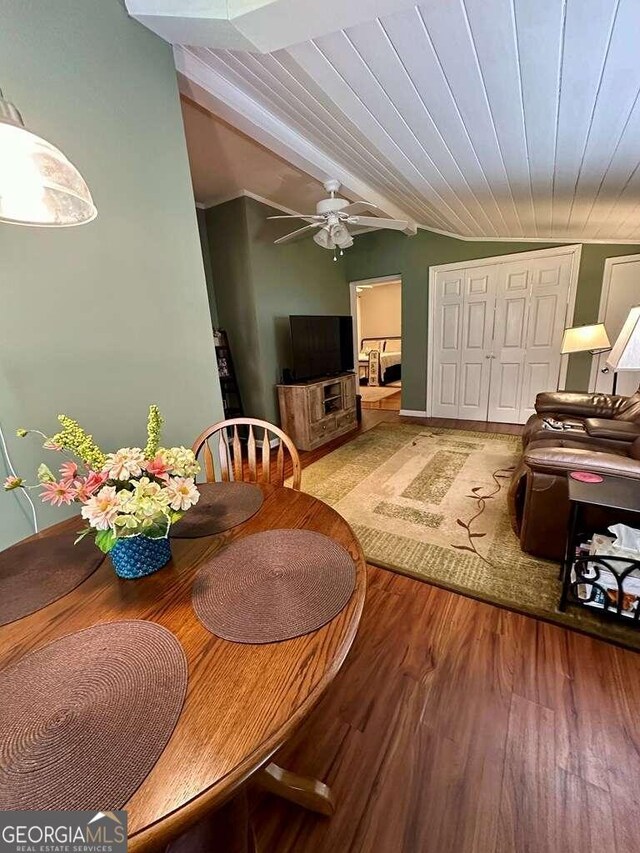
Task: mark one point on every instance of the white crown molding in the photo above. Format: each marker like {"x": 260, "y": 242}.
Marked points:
{"x": 260, "y": 26}
{"x": 216, "y": 93}
{"x": 214, "y": 202}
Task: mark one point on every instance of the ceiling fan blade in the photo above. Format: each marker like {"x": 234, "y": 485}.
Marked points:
{"x": 312, "y": 217}
{"x": 298, "y": 233}
{"x": 375, "y": 222}
{"x": 359, "y": 207}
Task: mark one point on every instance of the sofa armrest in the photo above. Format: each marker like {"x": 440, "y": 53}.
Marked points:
{"x": 576, "y": 403}
{"x": 556, "y": 460}
{"x": 611, "y": 429}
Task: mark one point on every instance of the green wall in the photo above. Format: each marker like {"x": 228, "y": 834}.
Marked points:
{"x": 101, "y": 320}
{"x": 385, "y": 253}
{"x": 258, "y": 285}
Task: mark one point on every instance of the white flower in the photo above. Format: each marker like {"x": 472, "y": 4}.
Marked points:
{"x": 125, "y": 463}
{"x": 145, "y": 488}
{"x": 180, "y": 460}
{"x": 182, "y": 493}
{"x": 101, "y": 510}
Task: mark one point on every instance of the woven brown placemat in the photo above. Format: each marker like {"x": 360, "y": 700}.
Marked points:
{"x": 35, "y": 573}
{"x": 85, "y": 718}
{"x": 273, "y": 586}
{"x": 221, "y": 506}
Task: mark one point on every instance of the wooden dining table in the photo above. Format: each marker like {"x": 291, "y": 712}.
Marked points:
{"x": 243, "y": 702}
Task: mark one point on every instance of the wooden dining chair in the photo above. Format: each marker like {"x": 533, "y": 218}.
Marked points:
{"x": 228, "y": 448}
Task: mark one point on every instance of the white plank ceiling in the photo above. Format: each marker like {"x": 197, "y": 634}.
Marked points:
{"x": 481, "y": 118}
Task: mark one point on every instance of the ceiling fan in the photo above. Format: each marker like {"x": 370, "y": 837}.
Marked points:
{"x": 332, "y": 217}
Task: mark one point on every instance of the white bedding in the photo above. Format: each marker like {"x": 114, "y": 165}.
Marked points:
{"x": 389, "y": 359}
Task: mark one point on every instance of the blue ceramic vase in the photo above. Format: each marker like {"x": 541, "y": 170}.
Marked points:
{"x": 137, "y": 556}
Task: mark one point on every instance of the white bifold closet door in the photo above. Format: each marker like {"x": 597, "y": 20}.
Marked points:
{"x": 497, "y": 335}
{"x": 465, "y": 302}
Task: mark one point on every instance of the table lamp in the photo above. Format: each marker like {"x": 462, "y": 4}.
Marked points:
{"x": 593, "y": 339}
{"x": 625, "y": 354}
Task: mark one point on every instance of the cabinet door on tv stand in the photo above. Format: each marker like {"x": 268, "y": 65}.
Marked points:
{"x": 349, "y": 392}
{"x": 316, "y": 402}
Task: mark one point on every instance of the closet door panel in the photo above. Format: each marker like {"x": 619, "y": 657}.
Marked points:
{"x": 447, "y": 346}
{"x": 509, "y": 342}
{"x": 550, "y": 280}
{"x": 480, "y": 285}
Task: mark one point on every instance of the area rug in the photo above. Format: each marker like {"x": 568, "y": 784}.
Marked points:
{"x": 432, "y": 504}
{"x": 373, "y": 393}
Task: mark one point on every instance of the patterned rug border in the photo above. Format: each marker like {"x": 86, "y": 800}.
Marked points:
{"x": 521, "y": 610}
{"x": 575, "y": 619}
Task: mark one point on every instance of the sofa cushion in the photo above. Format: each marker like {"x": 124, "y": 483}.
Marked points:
{"x": 630, "y": 409}
{"x": 612, "y": 429}
{"x": 556, "y": 460}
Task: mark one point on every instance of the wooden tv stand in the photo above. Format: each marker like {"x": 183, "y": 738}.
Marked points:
{"x": 313, "y": 413}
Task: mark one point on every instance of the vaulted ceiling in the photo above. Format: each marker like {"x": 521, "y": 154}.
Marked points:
{"x": 479, "y": 118}
{"x": 226, "y": 164}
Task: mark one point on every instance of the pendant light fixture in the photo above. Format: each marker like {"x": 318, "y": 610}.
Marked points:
{"x": 38, "y": 185}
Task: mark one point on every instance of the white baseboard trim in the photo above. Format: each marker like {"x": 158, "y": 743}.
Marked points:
{"x": 412, "y": 413}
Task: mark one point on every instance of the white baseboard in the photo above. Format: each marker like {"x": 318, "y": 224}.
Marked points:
{"x": 412, "y": 413}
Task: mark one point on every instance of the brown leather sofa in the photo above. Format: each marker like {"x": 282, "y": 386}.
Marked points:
{"x": 596, "y": 420}
{"x": 603, "y": 437}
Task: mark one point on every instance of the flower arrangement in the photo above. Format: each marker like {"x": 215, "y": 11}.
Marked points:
{"x": 133, "y": 492}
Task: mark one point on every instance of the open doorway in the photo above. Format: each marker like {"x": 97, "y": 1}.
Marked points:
{"x": 376, "y": 308}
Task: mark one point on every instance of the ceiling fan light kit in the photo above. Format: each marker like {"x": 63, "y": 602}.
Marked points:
{"x": 332, "y": 217}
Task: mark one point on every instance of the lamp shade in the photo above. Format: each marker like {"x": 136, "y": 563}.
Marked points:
{"x": 38, "y": 185}
{"x": 625, "y": 354}
{"x": 585, "y": 338}
{"x": 323, "y": 238}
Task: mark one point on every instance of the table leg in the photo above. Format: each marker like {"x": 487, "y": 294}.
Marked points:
{"x": 308, "y": 793}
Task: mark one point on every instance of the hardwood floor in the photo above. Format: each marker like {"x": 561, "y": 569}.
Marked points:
{"x": 455, "y": 726}
{"x": 458, "y": 727}
{"x": 391, "y": 403}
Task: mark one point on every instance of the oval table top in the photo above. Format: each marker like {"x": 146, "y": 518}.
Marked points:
{"x": 243, "y": 701}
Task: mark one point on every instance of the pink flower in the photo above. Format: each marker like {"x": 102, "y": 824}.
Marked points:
{"x": 158, "y": 468}
{"x": 68, "y": 471}
{"x": 101, "y": 510}
{"x": 12, "y": 483}
{"x": 51, "y": 445}
{"x": 57, "y": 493}
{"x": 85, "y": 487}
{"x": 95, "y": 480}
{"x": 181, "y": 493}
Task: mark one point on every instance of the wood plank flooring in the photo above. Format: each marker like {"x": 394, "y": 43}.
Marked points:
{"x": 458, "y": 727}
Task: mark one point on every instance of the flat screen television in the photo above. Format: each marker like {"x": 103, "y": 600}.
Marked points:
{"x": 322, "y": 346}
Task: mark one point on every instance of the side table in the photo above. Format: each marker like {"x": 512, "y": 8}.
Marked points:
{"x": 594, "y": 580}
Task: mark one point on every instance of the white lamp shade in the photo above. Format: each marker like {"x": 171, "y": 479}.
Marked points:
{"x": 323, "y": 238}
{"x": 38, "y": 185}
{"x": 341, "y": 236}
{"x": 625, "y": 354}
{"x": 585, "y": 338}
